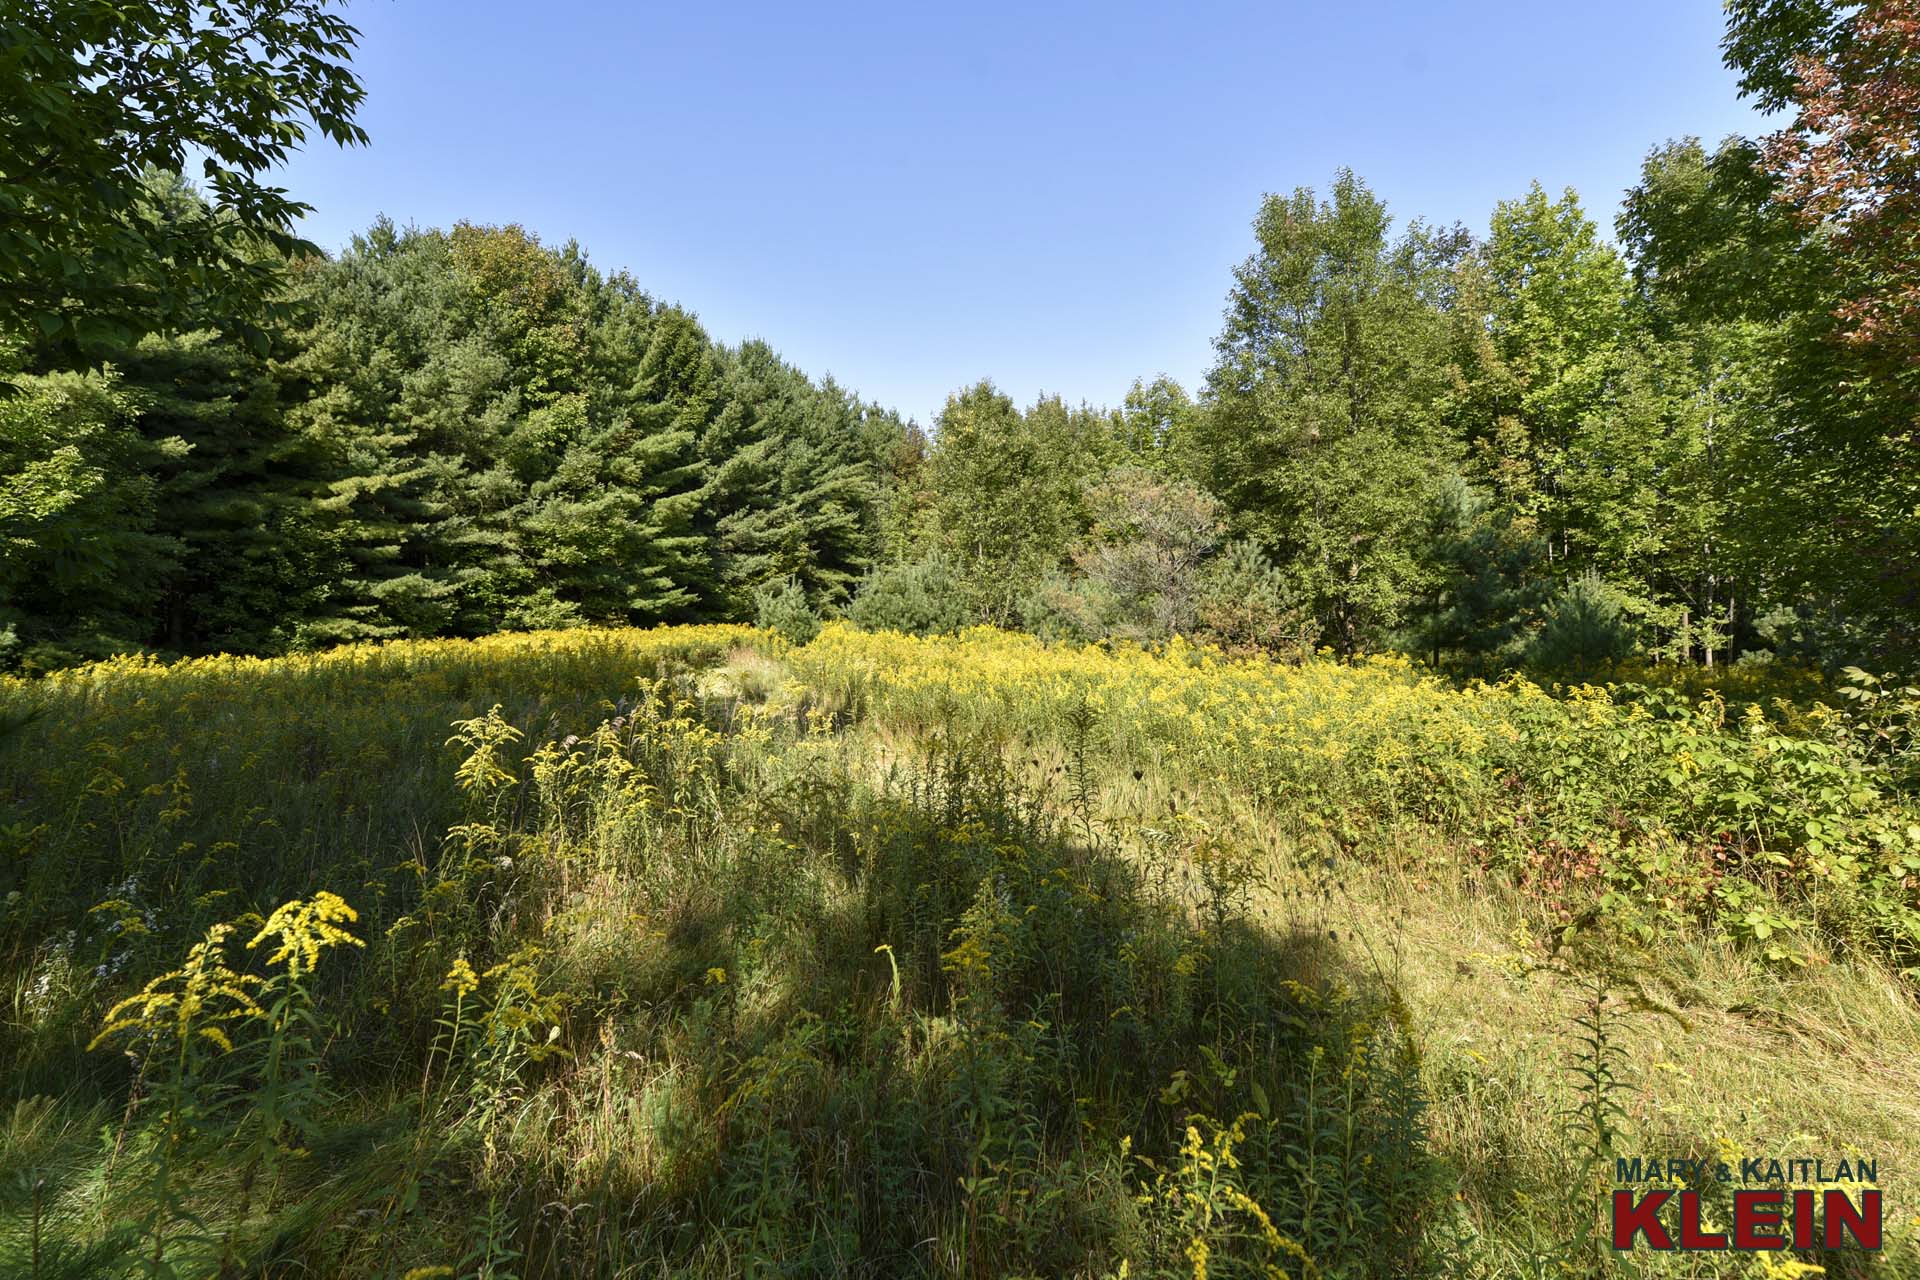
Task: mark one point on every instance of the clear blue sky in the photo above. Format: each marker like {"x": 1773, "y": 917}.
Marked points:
{"x": 912, "y": 197}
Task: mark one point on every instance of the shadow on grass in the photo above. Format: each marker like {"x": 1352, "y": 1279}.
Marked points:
{"x": 952, "y": 1041}
{"x": 838, "y": 1029}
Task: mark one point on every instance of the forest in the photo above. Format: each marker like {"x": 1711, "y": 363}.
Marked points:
{"x": 1515, "y": 444}
{"x": 496, "y": 782}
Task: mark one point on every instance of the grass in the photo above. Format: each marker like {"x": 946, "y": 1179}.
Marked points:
{"x": 688, "y": 952}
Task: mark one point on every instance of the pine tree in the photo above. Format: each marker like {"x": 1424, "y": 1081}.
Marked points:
{"x": 1485, "y": 587}
{"x": 257, "y": 556}
{"x": 795, "y": 485}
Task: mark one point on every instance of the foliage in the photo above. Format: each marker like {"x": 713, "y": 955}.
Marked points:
{"x": 81, "y": 558}
{"x": 1005, "y": 494}
{"x": 784, "y": 611}
{"x": 1321, "y": 437}
{"x": 1611, "y": 799}
{"x": 922, "y": 598}
{"x": 1486, "y": 584}
{"x": 96, "y": 97}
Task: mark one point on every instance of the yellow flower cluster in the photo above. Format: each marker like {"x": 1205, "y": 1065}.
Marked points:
{"x": 461, "y": 979}
{"x": 1253, "y": 721}
{"x": 1617, "y": 770}
{"x": 188, "y": 1003}
{"x": 305, "y": 929}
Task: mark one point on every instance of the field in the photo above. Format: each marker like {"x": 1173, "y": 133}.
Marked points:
{"x": 691, "y": 952}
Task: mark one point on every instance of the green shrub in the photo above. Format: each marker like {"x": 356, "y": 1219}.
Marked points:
{"x": 784, "y": 610}
{"x": 1247, "y": 604}
{"x": 920, "y": 598}
{"x": 1587, "y": 630}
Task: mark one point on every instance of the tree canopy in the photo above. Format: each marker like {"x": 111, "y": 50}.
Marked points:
{"x": 99, "y": 101}
{"x": 1493, "y": 446}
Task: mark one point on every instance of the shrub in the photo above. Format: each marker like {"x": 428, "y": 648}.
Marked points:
{"x": 784, "y": 610}
{"x": 1247, "y": 604}
{"x": 1587, "y": 630}
{"x": 921, "y": 598}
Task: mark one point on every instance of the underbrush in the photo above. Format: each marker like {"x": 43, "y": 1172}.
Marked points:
{"x": 692, "y": 953}
{"x": 1636, "y": 803}
{"x": 683, "y": 999}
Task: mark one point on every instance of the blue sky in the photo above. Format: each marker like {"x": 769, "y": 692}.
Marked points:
{"x": 912, "y": 197}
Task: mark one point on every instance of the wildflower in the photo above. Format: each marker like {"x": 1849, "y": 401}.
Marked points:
{"x": 305, "y": 929}
{"x": 189, "y": 1002}
{"x": 461, "y": 979}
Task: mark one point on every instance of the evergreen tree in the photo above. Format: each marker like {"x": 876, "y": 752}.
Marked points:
{"x": 616, "y": 524}
{"x": 921, "y": 598}
{"x": 795, "y": 482}
{"x": 1587, "y": 631}
{"x": 257, "y": 554}
{"x": 1485, "y": 585}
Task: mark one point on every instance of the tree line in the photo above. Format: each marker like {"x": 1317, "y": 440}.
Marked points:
{"x": 1518, "y": 444}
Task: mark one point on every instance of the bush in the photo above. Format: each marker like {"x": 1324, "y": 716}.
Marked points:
{"x": 1587, "y": 630}
{"x": 784, "y": 610}
{"x": 1067, "y": 609}
{"x": 920, "y": 598}
{"x": 1246, "y": 604}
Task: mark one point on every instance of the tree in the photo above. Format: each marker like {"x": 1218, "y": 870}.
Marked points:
{"x": 1555, "y": 299}
{"x": 1587, "y": 630}
{"x": 616, "y": 526}
{"x": 1005, "y": 493}
{"x": 1246, "y": 605}
{"x": 1710, "y": 242}
{"x": 1724, "y": 272}
{"x": 1848, "y": 169}
{"x": 1153, "y": 425}
{"x": 94, "y": 97}
{"x": 795, "y": 480}
{"x": 1645, "y": 483}
{"x": 1766, "y": 40}
{"x": 1150, "y": 538}
{"x": 1485, "y": 585}
{"x": 80, "y": 561}
{"x": 390, "y": 383}
{"x": 783, "y": 610}
{"x": 258, "y": 556}
{"x": 512, "y": 438}
{"x": 1851, "y": 161}
{"x": 1321, "y": 437}
{"x": 920, "y": 598}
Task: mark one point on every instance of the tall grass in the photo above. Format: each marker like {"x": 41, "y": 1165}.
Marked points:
{"x": 688, "y": 952}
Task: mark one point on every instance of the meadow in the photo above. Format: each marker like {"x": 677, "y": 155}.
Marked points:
{"x": 696, "y": 952}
